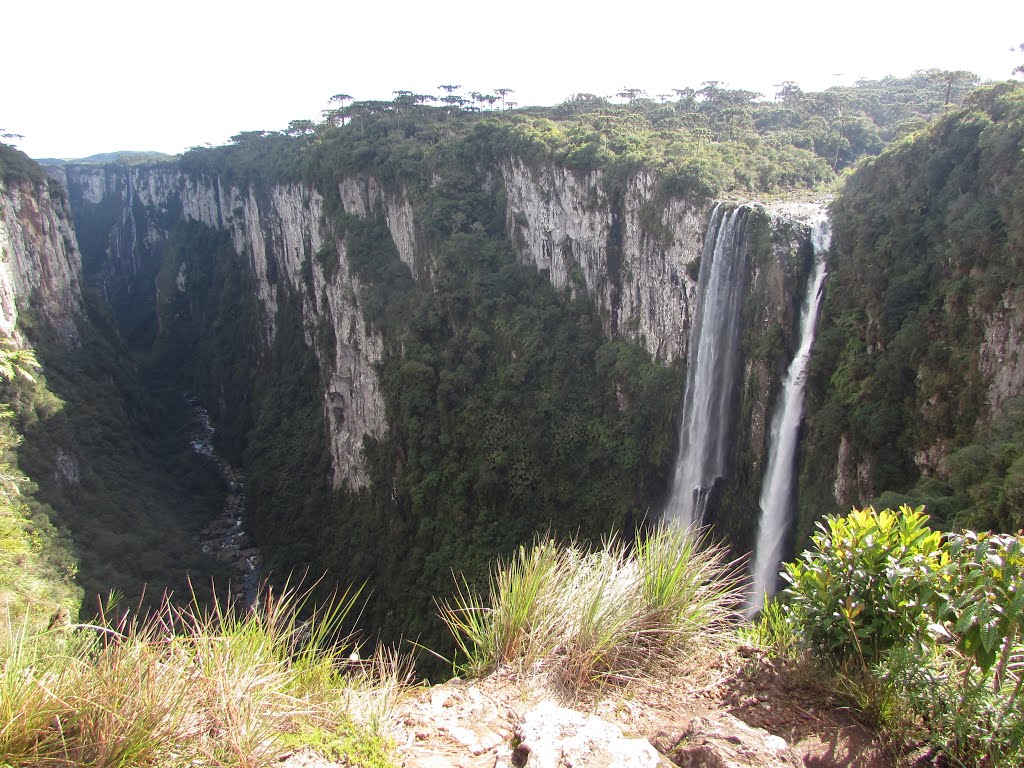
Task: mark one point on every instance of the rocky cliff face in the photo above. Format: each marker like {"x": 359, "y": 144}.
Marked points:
{"x": 635, "y": 257}
{"x": 280, "y": 231}
{"x": 634, "y": 253}
{"x": 39, "y": 259}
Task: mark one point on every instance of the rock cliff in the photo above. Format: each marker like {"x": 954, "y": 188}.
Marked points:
{"x": 631, "y": 250}
{"x": 635, "y": 254}
{"x": 40, "y": 264}
{"x": 280, "y": 231}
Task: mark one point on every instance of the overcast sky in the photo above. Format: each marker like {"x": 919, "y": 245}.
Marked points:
{"x": 84, "y": 77}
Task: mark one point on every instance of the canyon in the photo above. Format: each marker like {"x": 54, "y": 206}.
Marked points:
{"x": 367, "y": 346}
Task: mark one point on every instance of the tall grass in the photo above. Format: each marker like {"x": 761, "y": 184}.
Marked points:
{"x": 610, "y": 614}
{"x": 190, "y": 687}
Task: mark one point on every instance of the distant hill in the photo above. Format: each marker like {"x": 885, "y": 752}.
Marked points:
{"x": 121, "y": 158}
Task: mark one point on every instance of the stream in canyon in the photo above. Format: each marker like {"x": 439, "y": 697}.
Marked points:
{"x": 225, "y": 538}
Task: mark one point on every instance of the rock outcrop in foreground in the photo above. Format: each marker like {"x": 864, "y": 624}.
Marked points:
{"x": 737, "y": 710}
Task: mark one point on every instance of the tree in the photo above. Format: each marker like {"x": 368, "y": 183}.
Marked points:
{"x": 710, "y": 92}
{"x": 502, "y": 94}
{"x": 1019, "y": 69}
{"x": 250, "y": 137}
{"x": 338, "y": 115}
{"x": 789, "y": 92}
{"x": 299, "y": 127}
{"x": 404, "y": 102}
{"x": 631, "y": 94}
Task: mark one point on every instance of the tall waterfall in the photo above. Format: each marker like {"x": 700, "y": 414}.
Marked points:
{"x": 711, "y": 367}
{"x": 777, "y": 489}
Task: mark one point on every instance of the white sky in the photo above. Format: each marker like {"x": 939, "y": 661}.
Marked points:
{"x": 88, "y": 76}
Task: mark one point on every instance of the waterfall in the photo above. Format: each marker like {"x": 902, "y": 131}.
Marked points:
{"x": 124, "y": 235}
{"x": 777, "y": 489}
{"x": 711, "y": 367}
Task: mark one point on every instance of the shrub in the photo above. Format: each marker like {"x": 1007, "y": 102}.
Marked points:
{"x": 589, "y": 616}
{"x": 858, "y": 591}
{"x": 934, "y": 626}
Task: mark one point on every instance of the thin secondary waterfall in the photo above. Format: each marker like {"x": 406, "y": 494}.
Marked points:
{"x": 711, "y": 368}
{"x": 777, "y": 489}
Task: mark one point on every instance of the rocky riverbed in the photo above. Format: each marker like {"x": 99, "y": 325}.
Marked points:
{"x": 225, "y": 538}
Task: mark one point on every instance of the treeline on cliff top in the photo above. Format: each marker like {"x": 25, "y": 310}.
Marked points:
{"x": 709, "y": 142}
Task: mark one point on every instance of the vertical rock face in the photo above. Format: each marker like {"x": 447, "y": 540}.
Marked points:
{"x": 362, "y": 195}
{"x": 279, "y": 231}
{"x": 1001, "y": 356}
{"x": 635, "y": 252}
{"x": 39, "y": 261}
{"x": 635, "y": 257}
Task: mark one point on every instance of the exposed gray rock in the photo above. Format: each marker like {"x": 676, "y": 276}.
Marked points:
{"x": 39, "y": 260}
{"x": 1001, "y": 357}
{"x": 66, "y": 469}
{"x": 551, "y": 736}
{"x": 279, "y": 231}
{"x": 629, "y": 256}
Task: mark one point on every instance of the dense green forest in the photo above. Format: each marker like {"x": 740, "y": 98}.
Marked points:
{"x": 116, "y": 464}
{"x": 928, "y": 253}
{"x": 711, "y": 141}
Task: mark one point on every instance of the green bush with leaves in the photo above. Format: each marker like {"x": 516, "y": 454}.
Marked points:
{"x": 857, "y": 591}
{"x": 927, "y": 624}
{"x": 980, "y": 593}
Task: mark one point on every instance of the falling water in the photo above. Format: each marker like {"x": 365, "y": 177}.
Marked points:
{"x": 777, "y": 489}
{"x": 711, "y": 368}
{"x": 124, "y": 235}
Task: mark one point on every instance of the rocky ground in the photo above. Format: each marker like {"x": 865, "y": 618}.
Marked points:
{"x": 726, "y": 710}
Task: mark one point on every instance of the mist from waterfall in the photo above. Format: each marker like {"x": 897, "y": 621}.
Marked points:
{"x": 777, "y": 490}
{"x": 711, "y": 367}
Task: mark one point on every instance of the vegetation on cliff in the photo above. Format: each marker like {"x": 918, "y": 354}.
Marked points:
{"x": 509, "y": 412}
{"x": 927, "y": 257}
{"x": 704, "y": 142}
{"x": 16, "y": 166}
{"x": 508, "y": 409}
{"x": 590, "y": 617}
{"x": 191, "y": 686}
{"x": 37, "y": 568}
{"x": 115, "y": 464}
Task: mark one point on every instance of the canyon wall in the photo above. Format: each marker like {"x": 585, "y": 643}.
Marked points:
{"x": 633, "y": 252}
{"x": 40, "y": 264}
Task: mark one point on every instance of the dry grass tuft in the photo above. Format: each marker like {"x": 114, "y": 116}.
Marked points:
{"x": 188, "y": 687}
{"x": 609, "y": 615}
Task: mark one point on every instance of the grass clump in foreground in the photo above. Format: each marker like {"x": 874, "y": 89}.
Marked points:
{"x": 617, "y": 613}
{"x": 192, "y": 687}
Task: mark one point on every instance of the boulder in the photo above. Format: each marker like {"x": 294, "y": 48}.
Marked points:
{"x": 553, "y": 737}
{"x": 724, "y": 741}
